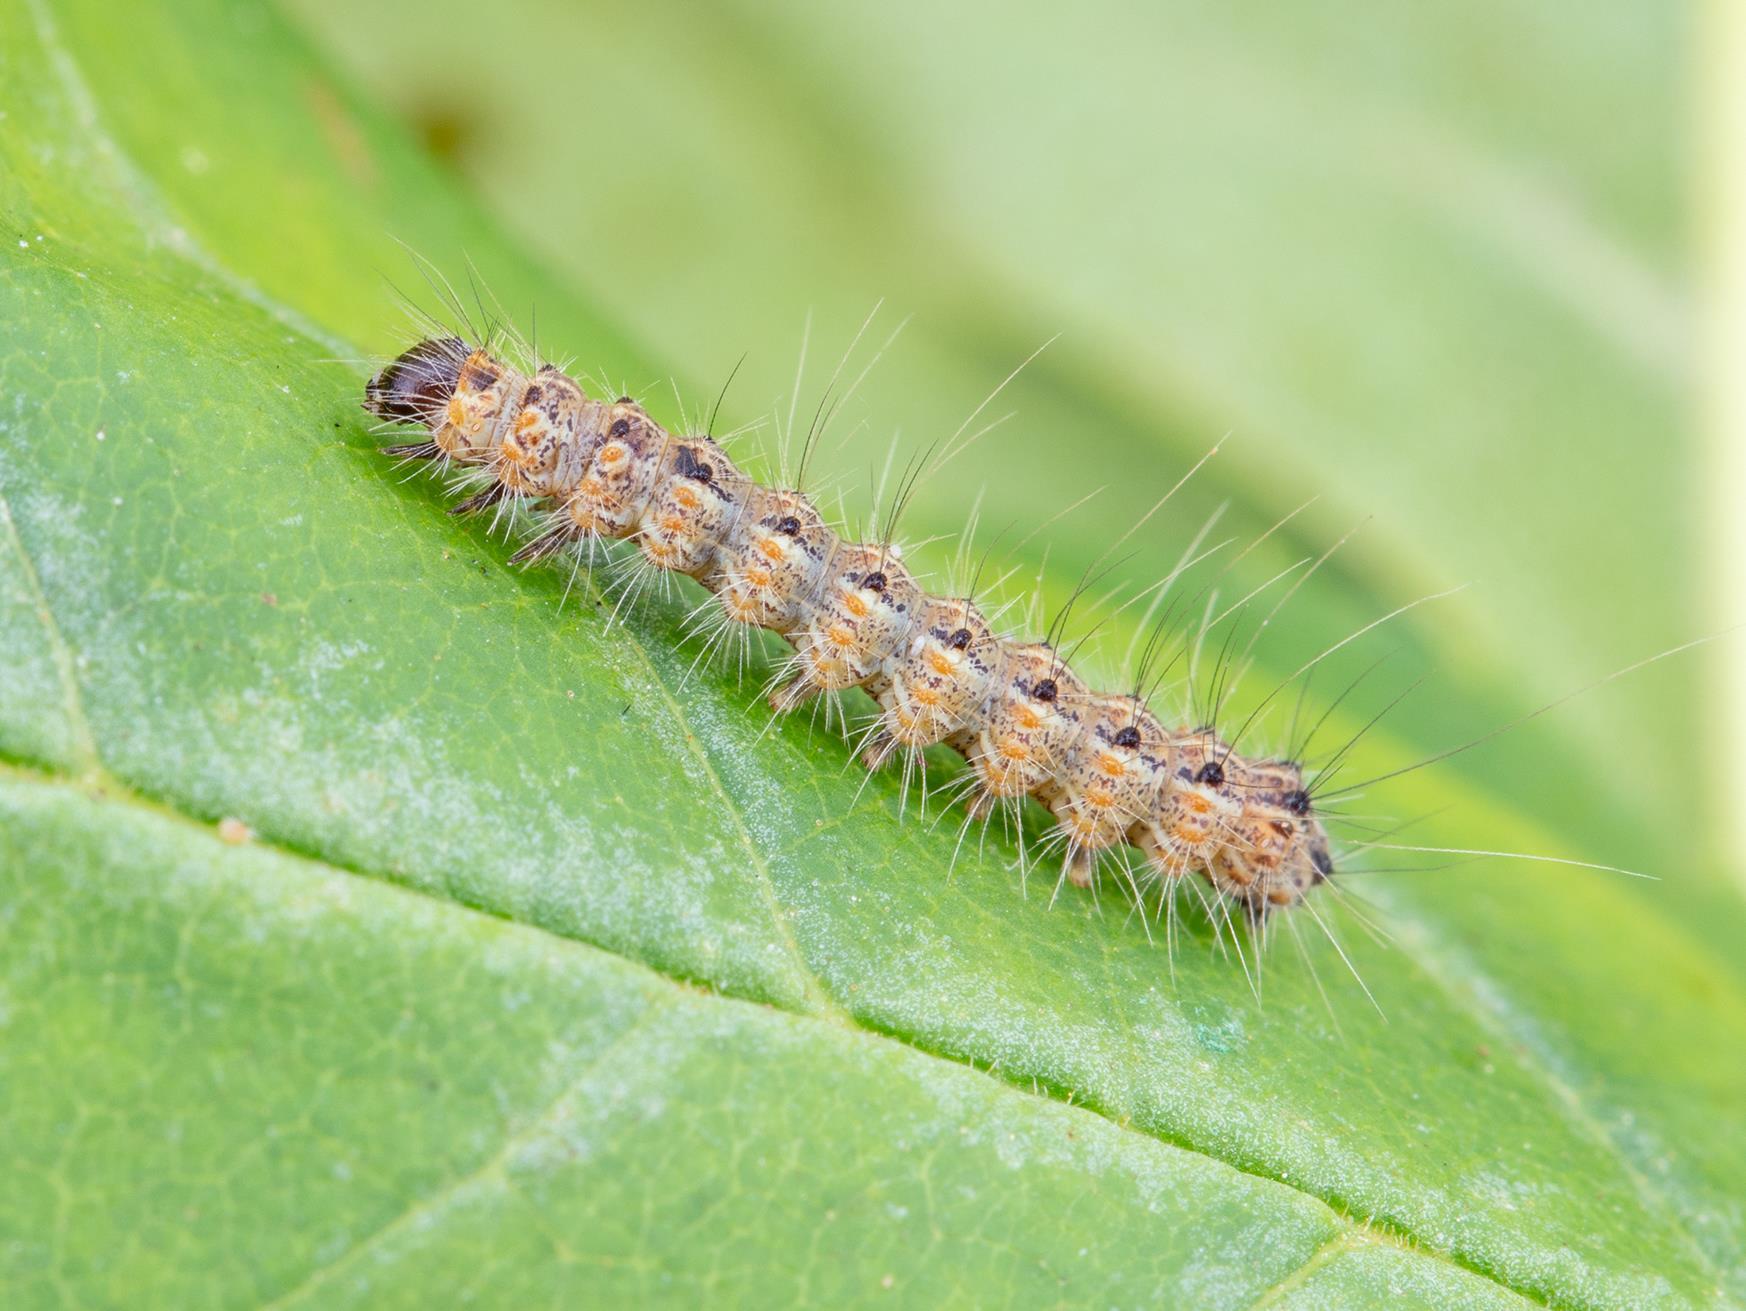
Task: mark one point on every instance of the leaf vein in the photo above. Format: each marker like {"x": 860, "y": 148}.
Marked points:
{"x": 84, "y": 741}
{"x": 433, "y": 1203}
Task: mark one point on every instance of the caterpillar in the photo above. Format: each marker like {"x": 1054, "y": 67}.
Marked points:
{"x": 1108, "y": 771}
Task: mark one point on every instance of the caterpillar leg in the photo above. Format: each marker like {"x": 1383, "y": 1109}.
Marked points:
{"x": 790, "y": 696}
{"x": 553, "y": 540}
{"x": 414, "y": 451}
{"x": 493, "y": 494}
{"x": 1081, "y": 866}
{"x": 879, "y": 751}
{"x": 982, "y": 804}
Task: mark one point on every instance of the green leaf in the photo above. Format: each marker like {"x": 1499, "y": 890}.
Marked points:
{"x": 549, "y": 975}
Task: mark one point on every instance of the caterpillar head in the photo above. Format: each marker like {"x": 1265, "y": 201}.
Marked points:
{"x": 473, "y": 388}
{"x": 415, "y": 388}
{"x": 1276, "y": 850}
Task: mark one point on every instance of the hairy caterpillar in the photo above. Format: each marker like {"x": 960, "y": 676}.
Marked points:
{"x": 1109, "y": 772}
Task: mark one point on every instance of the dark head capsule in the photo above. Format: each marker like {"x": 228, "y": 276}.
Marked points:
{"x": 416, "y": 387}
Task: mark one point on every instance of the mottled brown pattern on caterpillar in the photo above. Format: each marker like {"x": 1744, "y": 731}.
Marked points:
{"x": 1109, "y": 772}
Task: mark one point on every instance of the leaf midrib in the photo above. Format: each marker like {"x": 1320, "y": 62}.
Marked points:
{"x": 84, "y": 745}
{"x": 495, "y": 1164}
{"x": 822, "y": 1003}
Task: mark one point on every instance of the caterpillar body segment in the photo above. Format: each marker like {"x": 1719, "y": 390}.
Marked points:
{"x": 1028, "y": 726}
{"x": 697, "y": 500}
{"x": 479, "y": 407}
{"x": 1197, "y": 809}
{"x": 937, "y": 687}
{"x": 534, "y": 457}
{"x": 1110, "y": 773}
{"x": 771, "y": 561}
{"x": 1111, "y": 777}
{"x": 1284, "y": 850}
{"x": 856, "y": 623}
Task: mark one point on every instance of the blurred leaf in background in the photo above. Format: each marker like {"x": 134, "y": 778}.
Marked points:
{"x": 742, "y": 1037}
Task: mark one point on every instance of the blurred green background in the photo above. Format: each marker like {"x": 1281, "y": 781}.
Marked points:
{"x": 1433, "y": 265}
